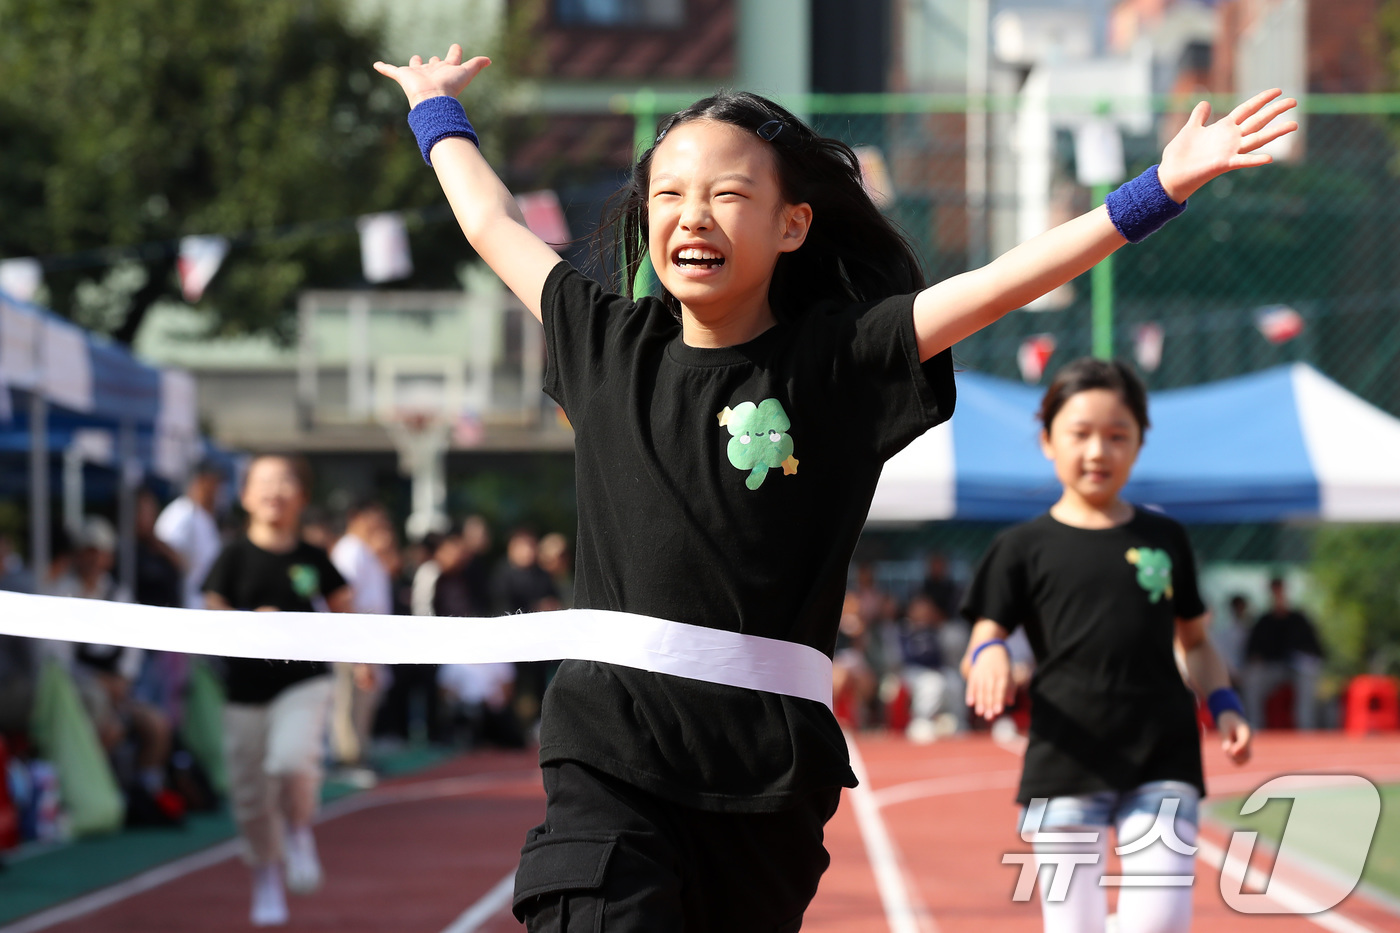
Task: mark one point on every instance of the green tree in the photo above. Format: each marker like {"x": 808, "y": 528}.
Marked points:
{"x": 125, "y": 124}
{"x": 1354, "y": 567}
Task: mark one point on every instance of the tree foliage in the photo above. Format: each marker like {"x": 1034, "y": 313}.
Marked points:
{"x": 1354, "y": 568}
{"x": 130, "y": 123}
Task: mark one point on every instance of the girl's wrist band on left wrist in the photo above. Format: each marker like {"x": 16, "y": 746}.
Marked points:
{"x": 987, "y": 644}
{"x": 1141, "y": 207}
{"x": 1222, "y": 700}
{"x": 437, "y": 118}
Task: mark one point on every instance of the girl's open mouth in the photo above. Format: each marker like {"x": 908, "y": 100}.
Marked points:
{"x": 695, "y": 258}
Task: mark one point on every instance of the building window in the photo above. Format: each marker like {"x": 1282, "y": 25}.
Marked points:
{"x": 645, "y": 13}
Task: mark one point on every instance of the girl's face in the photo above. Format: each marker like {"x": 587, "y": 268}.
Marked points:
{"x": 1093, "y": 442}
{"x": 717, "y": 218}
{"x": 272, "y": 494}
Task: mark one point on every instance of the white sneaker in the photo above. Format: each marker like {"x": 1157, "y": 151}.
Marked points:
{"x": 269, "y": 903}
{"x": 921, "y": 731}
{"x": 303, "y": 865}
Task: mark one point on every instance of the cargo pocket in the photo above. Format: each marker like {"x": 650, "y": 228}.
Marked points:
{"x": 558, "y": 886}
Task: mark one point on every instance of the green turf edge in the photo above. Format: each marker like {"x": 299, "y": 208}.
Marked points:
{"x": 1382, "y": 870}
{"x": 81, "y": 866}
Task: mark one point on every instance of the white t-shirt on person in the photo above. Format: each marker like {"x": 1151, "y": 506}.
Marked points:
{"x": 369, "y": 582}
{"x": 192, "y": 533}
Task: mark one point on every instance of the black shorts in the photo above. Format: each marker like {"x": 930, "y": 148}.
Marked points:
{"x": 610, "y": 857}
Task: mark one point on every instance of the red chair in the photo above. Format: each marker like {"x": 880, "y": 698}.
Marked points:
{"x": 1373, "y": 705}
{"x": 897, "y": 712}
{"x": 1020, "y": 711}
{"x": 1278, "y": 708}
{"x": 843, "y": 705}
{"x": 9, "y": 816}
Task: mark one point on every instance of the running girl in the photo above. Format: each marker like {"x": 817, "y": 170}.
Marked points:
{"x": 1104, "y": 590}
{"x": 275, "y": 720}
{"x": 729, "y": 436}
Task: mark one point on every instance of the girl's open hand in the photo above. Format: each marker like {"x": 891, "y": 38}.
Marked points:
{"x": 1199, "y": 153}
{"x": 1236, "y": 738}
{"x": 990, "y": 688}
{"x": 437, "y": 77}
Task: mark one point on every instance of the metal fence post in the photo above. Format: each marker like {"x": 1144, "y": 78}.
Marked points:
{"x": 1101, "y": 292}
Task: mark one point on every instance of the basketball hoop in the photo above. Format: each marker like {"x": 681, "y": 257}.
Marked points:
{"x": 418, "y": 401}
{"x": 422, "y": 439}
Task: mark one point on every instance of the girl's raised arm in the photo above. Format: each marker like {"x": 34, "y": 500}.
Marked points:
{"x": 484, "y": 208}
{"x": 964, "y": 304}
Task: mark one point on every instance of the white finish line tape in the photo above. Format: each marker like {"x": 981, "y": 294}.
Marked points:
{"x": 693, "y": 651}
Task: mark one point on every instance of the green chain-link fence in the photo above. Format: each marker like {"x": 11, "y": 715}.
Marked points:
{"x": 1317, "y": 234}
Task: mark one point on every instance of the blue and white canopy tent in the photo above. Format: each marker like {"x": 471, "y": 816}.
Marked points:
{"x": 1282, "y": 444}
{"x": 61, "y": 386}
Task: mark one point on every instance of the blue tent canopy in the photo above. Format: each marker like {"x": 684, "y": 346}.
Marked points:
{"x": 87, "y": 381}
{"x": 56, "y": 381}
{"x": 1282, "y": 444}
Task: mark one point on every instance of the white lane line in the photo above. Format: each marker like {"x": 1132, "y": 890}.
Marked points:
{"x": 106, "y": 897}
{"x": 494, "y": 901}
{"x": 198, "y": 861}
{"x": 940, "y": 786}
{"x": 1286, "y": 896}
{"x": 903, "y": 915}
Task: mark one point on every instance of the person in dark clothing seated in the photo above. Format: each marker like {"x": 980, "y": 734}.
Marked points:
{"x": 522, "y": 585}
{"x": 1283, "y": 647}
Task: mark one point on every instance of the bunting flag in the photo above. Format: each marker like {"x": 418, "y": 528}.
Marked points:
{"x": 21, "y": 278}
{"x": 384, "y": 252}
{"x": 1033, "y": 355}
{"x": 467, "y": 430}
{"x": 544, "y": 215}
{"x": 875, "y": 176}
{"x": 199, "y": 260}
{"x": 1098, "y": 153}
{"x": 1148, "y": 340}
{"x": 1278, "y": 323}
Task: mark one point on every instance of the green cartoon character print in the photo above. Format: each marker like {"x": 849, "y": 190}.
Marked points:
{"x": 306, "y": 581}
{"x": 1154, "y": 571}
{"x": 759, "y": 441}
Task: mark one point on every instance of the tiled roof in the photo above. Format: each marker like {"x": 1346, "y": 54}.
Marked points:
{"x": 702, "y": 47}
{"x": 575, "y": 141}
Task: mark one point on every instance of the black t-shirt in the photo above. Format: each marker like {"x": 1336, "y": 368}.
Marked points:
{"x": 104, "y": 658}
{"x": 1109, "y": 710}
{"x": 158, "y": 580}
{"x": 1277, "y": 637}
{"x": 724, "y": 488}
{"x": 248, "y": 578}
{"x": 522, "y": 589}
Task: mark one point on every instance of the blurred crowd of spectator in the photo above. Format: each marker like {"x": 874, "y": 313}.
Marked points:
{"x": 896, "y": 662}
{"x": 135, "y": 699}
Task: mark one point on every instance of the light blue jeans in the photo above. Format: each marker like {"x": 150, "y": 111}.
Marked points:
{"x": 1112, "y": 808}
{"x": 1155, "y": 825}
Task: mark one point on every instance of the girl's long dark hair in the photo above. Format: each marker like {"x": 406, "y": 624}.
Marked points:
{"x": 852, "y": 251}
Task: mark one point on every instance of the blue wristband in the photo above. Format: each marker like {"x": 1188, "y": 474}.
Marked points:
{"x": 1140, "y": 207}
{"x": 437, "y": 118}
{"x": 1221, "y": 700}
{"x": 987, "y": 644}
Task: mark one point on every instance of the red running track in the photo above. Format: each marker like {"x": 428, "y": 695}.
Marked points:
{"x": 917, "y": 850}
